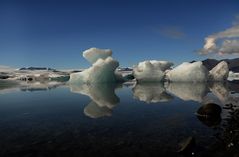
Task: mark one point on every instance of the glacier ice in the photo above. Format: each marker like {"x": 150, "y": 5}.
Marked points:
{"x": 93, "y": 54}
{"x": 219, "y": 73}
{"x": 188, "y": 72}
{"x": 151, "y": 71}
{"x": 102, "y": 69}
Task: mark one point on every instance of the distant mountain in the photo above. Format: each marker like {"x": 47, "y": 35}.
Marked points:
{"x": 37, "y": 68}
{"x": 232, "y": 63}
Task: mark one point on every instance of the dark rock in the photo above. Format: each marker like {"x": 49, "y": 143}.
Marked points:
{"x": 210, "y": 114}
{"x": 209, "y": 109}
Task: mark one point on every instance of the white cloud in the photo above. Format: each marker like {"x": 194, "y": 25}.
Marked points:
{"x": 229, "y": 44}
{"x": 229, "y": 47}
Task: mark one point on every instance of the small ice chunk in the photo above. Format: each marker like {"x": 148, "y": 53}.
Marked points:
{"x": 93, "y": 54}
{"x": 151, "y": 71}
{"x": 220, "y": 72}
{"x": 188, "y": 72}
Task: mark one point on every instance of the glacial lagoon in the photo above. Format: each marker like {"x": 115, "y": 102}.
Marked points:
{"x": 147, "y": 119}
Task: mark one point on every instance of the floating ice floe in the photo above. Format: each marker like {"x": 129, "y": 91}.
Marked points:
{"x": 102, "y": 69}
{"x": 188, "y": 72}
{"x": 151, "y": 71}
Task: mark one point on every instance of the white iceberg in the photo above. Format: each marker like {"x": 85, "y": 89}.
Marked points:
{"x": 93, "y": 54}
{"x": 102, "y": 70}
{"x": 188, "y": 72}
{"x": 151, "y": 71}
{"x": 233, "y": 76}
{"x": 219, "y": 73}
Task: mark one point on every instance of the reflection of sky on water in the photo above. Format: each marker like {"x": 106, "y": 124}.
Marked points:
{"x": 106, "y": 117}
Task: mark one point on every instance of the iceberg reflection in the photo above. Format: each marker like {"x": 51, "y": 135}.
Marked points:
{"x": 103, "y": 98}
{"x": 151, "y": 92}
{"x": 188, "y": 91}
{"x": 9, "y": 86}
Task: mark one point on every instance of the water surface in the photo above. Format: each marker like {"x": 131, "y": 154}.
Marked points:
{"x": 116, "y": 119}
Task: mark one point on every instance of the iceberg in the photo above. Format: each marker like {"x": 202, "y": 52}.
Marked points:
{"x": 188, "y": 72}
{"x": 151, "y": 71}
{"x": 93, "y": 54}
{"x": 219, "y": 73}
{"x": 102, "y": 69}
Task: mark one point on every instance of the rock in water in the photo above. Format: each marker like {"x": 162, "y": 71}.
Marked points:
{"x": 93, "y": 54}
{"x": 210, "y": 109}
{"x": 210, "y": 114}
{"x": 151, "y": 71}
{"x": 219, "y": 73}
{"x": 188, "y": 72}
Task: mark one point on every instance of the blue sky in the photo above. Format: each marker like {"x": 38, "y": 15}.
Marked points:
{"x": 54, "y": 33}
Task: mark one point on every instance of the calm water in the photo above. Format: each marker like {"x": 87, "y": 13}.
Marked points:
{"x": 116, "y": 120}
